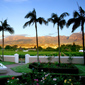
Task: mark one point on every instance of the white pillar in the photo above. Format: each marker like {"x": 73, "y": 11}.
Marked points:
{"x": 27, "y": 58}
{"x": 16, "y": 58}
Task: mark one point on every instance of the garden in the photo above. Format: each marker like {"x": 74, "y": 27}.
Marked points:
{"x": 34, "y": 76}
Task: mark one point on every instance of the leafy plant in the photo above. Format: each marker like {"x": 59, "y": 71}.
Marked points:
{"x": 50, "y": 58}
{"x": 70, "y": 59}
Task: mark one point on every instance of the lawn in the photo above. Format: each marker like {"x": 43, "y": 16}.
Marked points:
{"x": 7, "y": 62}
{"x": 81, "y": 69}
{"x": 22, "y": 69}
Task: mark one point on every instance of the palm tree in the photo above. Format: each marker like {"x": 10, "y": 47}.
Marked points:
{"x": 5, "y": 27}
{"x": 78, "y": 20}
{"x": 33, "y": 20}
{"x": 60, "y": 23}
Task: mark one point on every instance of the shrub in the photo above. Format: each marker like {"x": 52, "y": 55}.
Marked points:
{"x": 21, "y": 56}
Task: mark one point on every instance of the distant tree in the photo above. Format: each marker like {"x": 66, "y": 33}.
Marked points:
{"x": 78, "y": 47}
{"x": 60, "y": 23}
{"x": 15, "y": 47}
{"x": 8, "y": 47}
{"x": 78, "y": 20}
{"x": 0, "y": 47}
{"x": 5, "y": 27}
{"x": 33, "y": 20}
{"x": 40, "y": 48}
{"x": 69, "y": 48}
{"x": 49, "y": 49}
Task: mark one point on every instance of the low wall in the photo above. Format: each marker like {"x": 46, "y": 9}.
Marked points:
{"x": 63, "y": 59}
{"x": 12, "y": 58}
{"x": 30, "y": 59}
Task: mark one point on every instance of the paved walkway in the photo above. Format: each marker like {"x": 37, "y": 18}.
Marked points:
{"x": 11, "y": 72}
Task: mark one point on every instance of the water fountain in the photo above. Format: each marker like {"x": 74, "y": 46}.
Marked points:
{"x": 3, "y": 68}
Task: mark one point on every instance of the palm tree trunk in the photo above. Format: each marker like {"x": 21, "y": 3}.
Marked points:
{"x": 58, "y": 43}
{"x": 83, "y": 40}
{"x": 2, "y": 45}
{"x": 37, "y": 42}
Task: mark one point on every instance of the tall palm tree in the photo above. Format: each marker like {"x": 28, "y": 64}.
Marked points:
{"x": 33, "y": 20}
{"x": 5, "y": 27}
{"x": 78, "y": 20}
{"x": 60, "y": 23}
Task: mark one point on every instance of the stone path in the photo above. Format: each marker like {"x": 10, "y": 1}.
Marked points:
{"x": 11, "y": 72}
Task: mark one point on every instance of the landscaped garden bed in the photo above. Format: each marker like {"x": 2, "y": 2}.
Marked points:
{"x": 54, "y": 68}
{"x": 41, "y": 78}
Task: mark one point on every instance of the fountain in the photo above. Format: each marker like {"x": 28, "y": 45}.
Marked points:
{"x": 3, "y": 68}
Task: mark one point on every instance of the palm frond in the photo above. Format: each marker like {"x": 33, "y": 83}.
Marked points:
{"x": 70, "y": 21}
{"x": 62, "y": 23}
{"x": 1, "y": 28}
{"x": 34, "y": 12}
{"x": 75, "y": 26}
{"x": 64, "y": 15}
{"x": 81, "y": 10}
{"x": 75, "y": 14}
{"x": 54, "y": 15}
{"x": 28, "y": 23}
{"x": 10, "y": 30}
{"x": 50, "y": 20}
{"x": 41, "y": 20}
{"x": 31, "y": 14}
{"x": 6, "y": 27}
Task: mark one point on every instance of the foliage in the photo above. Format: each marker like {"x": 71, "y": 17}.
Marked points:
{"x": 70, "y": 59}
{"x": 64, "y": 48}
{"x": 52, "y": 65}
{"x": 49, "y": 58}
{"x": 74, "y": 53}
{"x": 70, "y": 48}
{"x": 8, "y": 47}
{"x": 42, "y": 78}
{"x": 21, "y": 56}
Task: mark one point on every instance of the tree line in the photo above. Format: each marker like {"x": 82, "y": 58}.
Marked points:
{"x": 63, "y": 48}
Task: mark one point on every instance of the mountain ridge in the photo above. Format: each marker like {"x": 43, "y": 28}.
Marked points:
{"x": 43, "y": 40}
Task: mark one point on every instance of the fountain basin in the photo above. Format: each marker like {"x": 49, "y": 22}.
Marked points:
{"x": 3, "y": 68}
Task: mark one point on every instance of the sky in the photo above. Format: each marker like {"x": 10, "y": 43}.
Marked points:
{"x": 15, "y": 10}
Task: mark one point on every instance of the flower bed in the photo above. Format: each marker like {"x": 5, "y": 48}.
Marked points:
{"x": 42, "y": 78}
{"x": 54, "y": 68}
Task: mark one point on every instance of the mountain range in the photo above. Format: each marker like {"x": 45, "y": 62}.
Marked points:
{"x": 44, "y": 41}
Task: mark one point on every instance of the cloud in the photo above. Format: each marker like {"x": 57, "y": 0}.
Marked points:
{"x": 15, "y": 0}
{"x": 50, "y": 34}
{"x": 25, "y": 35}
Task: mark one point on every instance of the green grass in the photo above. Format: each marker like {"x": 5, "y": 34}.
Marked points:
{"x": 32, "y": 53}
{"x": 41, "y": 53}
{"x": 22, "y": 68}
{"x": 7, "y": 62}
{"x": 81, "y": 69}
{"x": 6, "y": 76}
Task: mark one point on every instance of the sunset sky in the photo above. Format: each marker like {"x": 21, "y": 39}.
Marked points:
{"x": 15, "y": 10}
